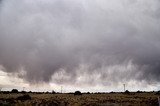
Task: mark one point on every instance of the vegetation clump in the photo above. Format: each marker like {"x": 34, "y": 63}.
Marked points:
{"x": 14, "y": 91}
{"x": 53, "y": 92}
{"x": 77, "y": 93}
{"x": 139, "y": 91}
{"x": 127, "y": 92}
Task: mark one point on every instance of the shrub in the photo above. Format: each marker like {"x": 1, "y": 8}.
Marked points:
{"x": 23, "y": 92}
{"x": 88, "y": 92}
{"x": 5, "y": 92}
{"x": 46, "y": 92}
{"x": 112, "y": 92}
{"x": 127, "y": 92}
{"x": 139, "y": 91}
{"x": 53, "y": 92}
{"x": 14, "y": 91}
{"x": 77, "y": 93}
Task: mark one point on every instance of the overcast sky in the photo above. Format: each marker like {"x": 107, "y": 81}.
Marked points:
{"x": 90, "y": 45}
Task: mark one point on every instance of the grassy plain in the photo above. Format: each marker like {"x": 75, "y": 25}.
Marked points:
{"x": 99, "y": 99}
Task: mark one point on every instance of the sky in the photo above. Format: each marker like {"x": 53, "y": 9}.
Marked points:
{"x": 87, "y": 45}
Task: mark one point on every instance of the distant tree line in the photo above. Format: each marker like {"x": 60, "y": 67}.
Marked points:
{"x": 76, "y": 92}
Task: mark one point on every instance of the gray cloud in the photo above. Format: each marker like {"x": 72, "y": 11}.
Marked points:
{"x": 117, "y": 40}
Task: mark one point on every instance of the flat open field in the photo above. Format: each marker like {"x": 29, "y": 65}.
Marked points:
{"x": 105, "y": 99}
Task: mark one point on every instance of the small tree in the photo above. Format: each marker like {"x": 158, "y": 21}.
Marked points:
{"x": 88, "y": 92}
{"x": 77, "y": 93}
{"x": 127, "y": 92}
{"x": 14, "y": 91}
{"x": 53, "y": 92}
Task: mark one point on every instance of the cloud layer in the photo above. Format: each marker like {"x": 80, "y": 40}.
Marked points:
{"x": 81, "y": 41}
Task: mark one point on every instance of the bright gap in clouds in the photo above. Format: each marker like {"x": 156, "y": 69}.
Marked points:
{"x": 90, "y": 45}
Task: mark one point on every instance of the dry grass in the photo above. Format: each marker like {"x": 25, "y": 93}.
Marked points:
{"x": 108, "y": 99}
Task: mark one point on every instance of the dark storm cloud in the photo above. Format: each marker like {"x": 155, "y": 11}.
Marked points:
{"x": 119, "y": 40}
